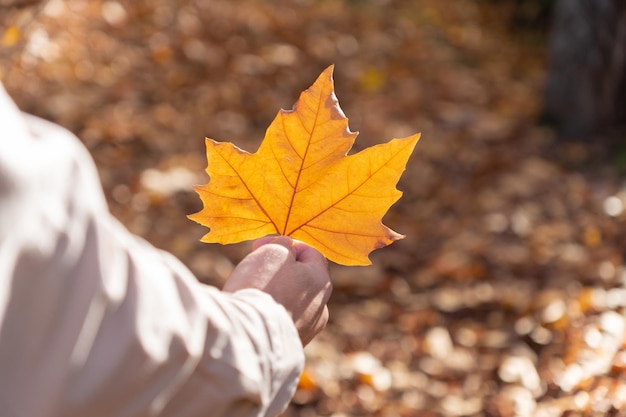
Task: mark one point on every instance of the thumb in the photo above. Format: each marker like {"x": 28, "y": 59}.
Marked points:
{"x": 285, "y": 241}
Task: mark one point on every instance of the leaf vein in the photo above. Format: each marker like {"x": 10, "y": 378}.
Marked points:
{"x": 249, "y": 190}
{"x": 302, "y": 161}
{"x": 348, "y": 193}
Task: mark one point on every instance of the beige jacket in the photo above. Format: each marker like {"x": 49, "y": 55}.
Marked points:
{"x": 96, "y": 322}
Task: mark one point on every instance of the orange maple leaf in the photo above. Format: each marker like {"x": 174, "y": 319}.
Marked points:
{"x": 301, "y": 182}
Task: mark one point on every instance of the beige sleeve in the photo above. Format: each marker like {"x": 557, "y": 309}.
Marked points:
{"x": 96, "y": 322}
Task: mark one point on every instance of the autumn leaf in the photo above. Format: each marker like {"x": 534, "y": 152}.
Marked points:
{"x": 11, "y": 36}
{"x": 301, "y": 182}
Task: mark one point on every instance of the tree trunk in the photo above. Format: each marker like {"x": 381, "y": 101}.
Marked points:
{"x": 586, "y": 84}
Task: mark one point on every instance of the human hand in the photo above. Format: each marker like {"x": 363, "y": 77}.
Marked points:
{"x": 294, "y": 274}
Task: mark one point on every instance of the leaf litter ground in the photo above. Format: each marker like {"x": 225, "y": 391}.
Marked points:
{"x": 507, "y": 296}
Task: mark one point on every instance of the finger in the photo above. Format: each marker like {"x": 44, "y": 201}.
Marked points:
{"x": 308, "y": 254}
{"x": 323, "y": 320}
{"x": 320, "y": 324}
{"x": 263, "y": 241}
{"x": 328, "y": 291}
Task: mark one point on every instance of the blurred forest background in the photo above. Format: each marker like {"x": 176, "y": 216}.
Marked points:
{"x": 507, "y": 296}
